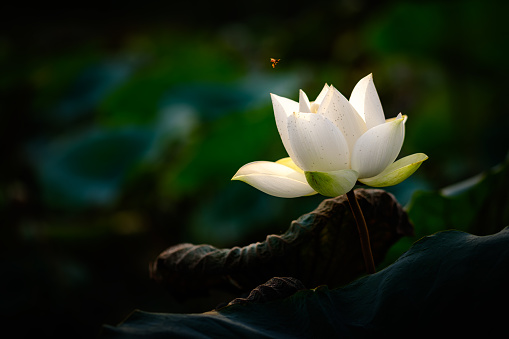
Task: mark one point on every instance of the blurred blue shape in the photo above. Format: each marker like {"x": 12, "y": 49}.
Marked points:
{"x": 213, "y": 100}
{"x": 91, "y": 86}
{"x": 210, "y": 101}
{"x": 88, "y": 169}
{"x": 229, "y": 217}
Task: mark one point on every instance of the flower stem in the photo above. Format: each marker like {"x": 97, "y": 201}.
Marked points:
{"x": 363, "y": 232}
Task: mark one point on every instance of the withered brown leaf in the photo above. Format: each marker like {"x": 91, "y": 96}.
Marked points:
{"x": 319, "y": 248}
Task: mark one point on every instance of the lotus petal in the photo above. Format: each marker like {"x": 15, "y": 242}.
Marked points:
{"x": 378, "y": 148}
{"x": 304, "y": 105}
{"x": 274, "y": 179}
{"x": 316, "y": 104}
{"x": 397, "y": 171}
{"x": 283, "y": 108}
{"x": 367, "y": 103}
{"x": 334, "y": 183}
{"x": 337, "y": 109}
{"x": 317, "y": 144}
{"x": 289, "y": 163}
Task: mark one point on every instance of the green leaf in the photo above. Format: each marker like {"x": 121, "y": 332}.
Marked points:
{"x": 450, "y": 283}
{"x": 321, "y": 247}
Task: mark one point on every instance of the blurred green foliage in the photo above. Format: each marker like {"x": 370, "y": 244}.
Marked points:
{"x": 121, "y": 127}
{"x": 478, "y": 205}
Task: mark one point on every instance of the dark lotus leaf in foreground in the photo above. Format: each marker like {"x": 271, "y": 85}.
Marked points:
{"x": 319, "y": 248}
{"x": 450, "y": 284}
{"x": 274, "y": 289}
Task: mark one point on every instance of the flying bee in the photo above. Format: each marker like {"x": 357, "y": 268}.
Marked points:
{"x": 274, "y": 62}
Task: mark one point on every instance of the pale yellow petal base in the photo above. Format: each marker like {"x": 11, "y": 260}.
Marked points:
{"x": 288, "y": 162}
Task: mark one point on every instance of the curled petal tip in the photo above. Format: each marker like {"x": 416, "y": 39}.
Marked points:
{"x": 402, "y": 118}
{"x": 399, "y": 117}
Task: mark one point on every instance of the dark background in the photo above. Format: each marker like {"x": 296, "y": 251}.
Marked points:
{"x": 121, "y": 125}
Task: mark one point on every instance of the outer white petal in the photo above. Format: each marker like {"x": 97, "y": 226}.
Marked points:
{"x": 378, "y": 148}
{"x": 316, "y": 104}
{"x": 367, "y": 103}
{"x": 274, "y": 179}
{"x": 304, "y": 105}
{"x": 337, "y": 109}
{"x": 283, "y": 108}
{"x": 318, "y": 145}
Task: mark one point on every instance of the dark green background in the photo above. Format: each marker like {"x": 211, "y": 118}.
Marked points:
{"x": 122, "y": 123}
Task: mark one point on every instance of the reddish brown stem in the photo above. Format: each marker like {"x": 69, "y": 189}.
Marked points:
{"x": 363, "y": 232}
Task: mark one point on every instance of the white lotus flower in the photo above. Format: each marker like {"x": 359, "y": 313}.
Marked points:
{"x": 333, "y": 143}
